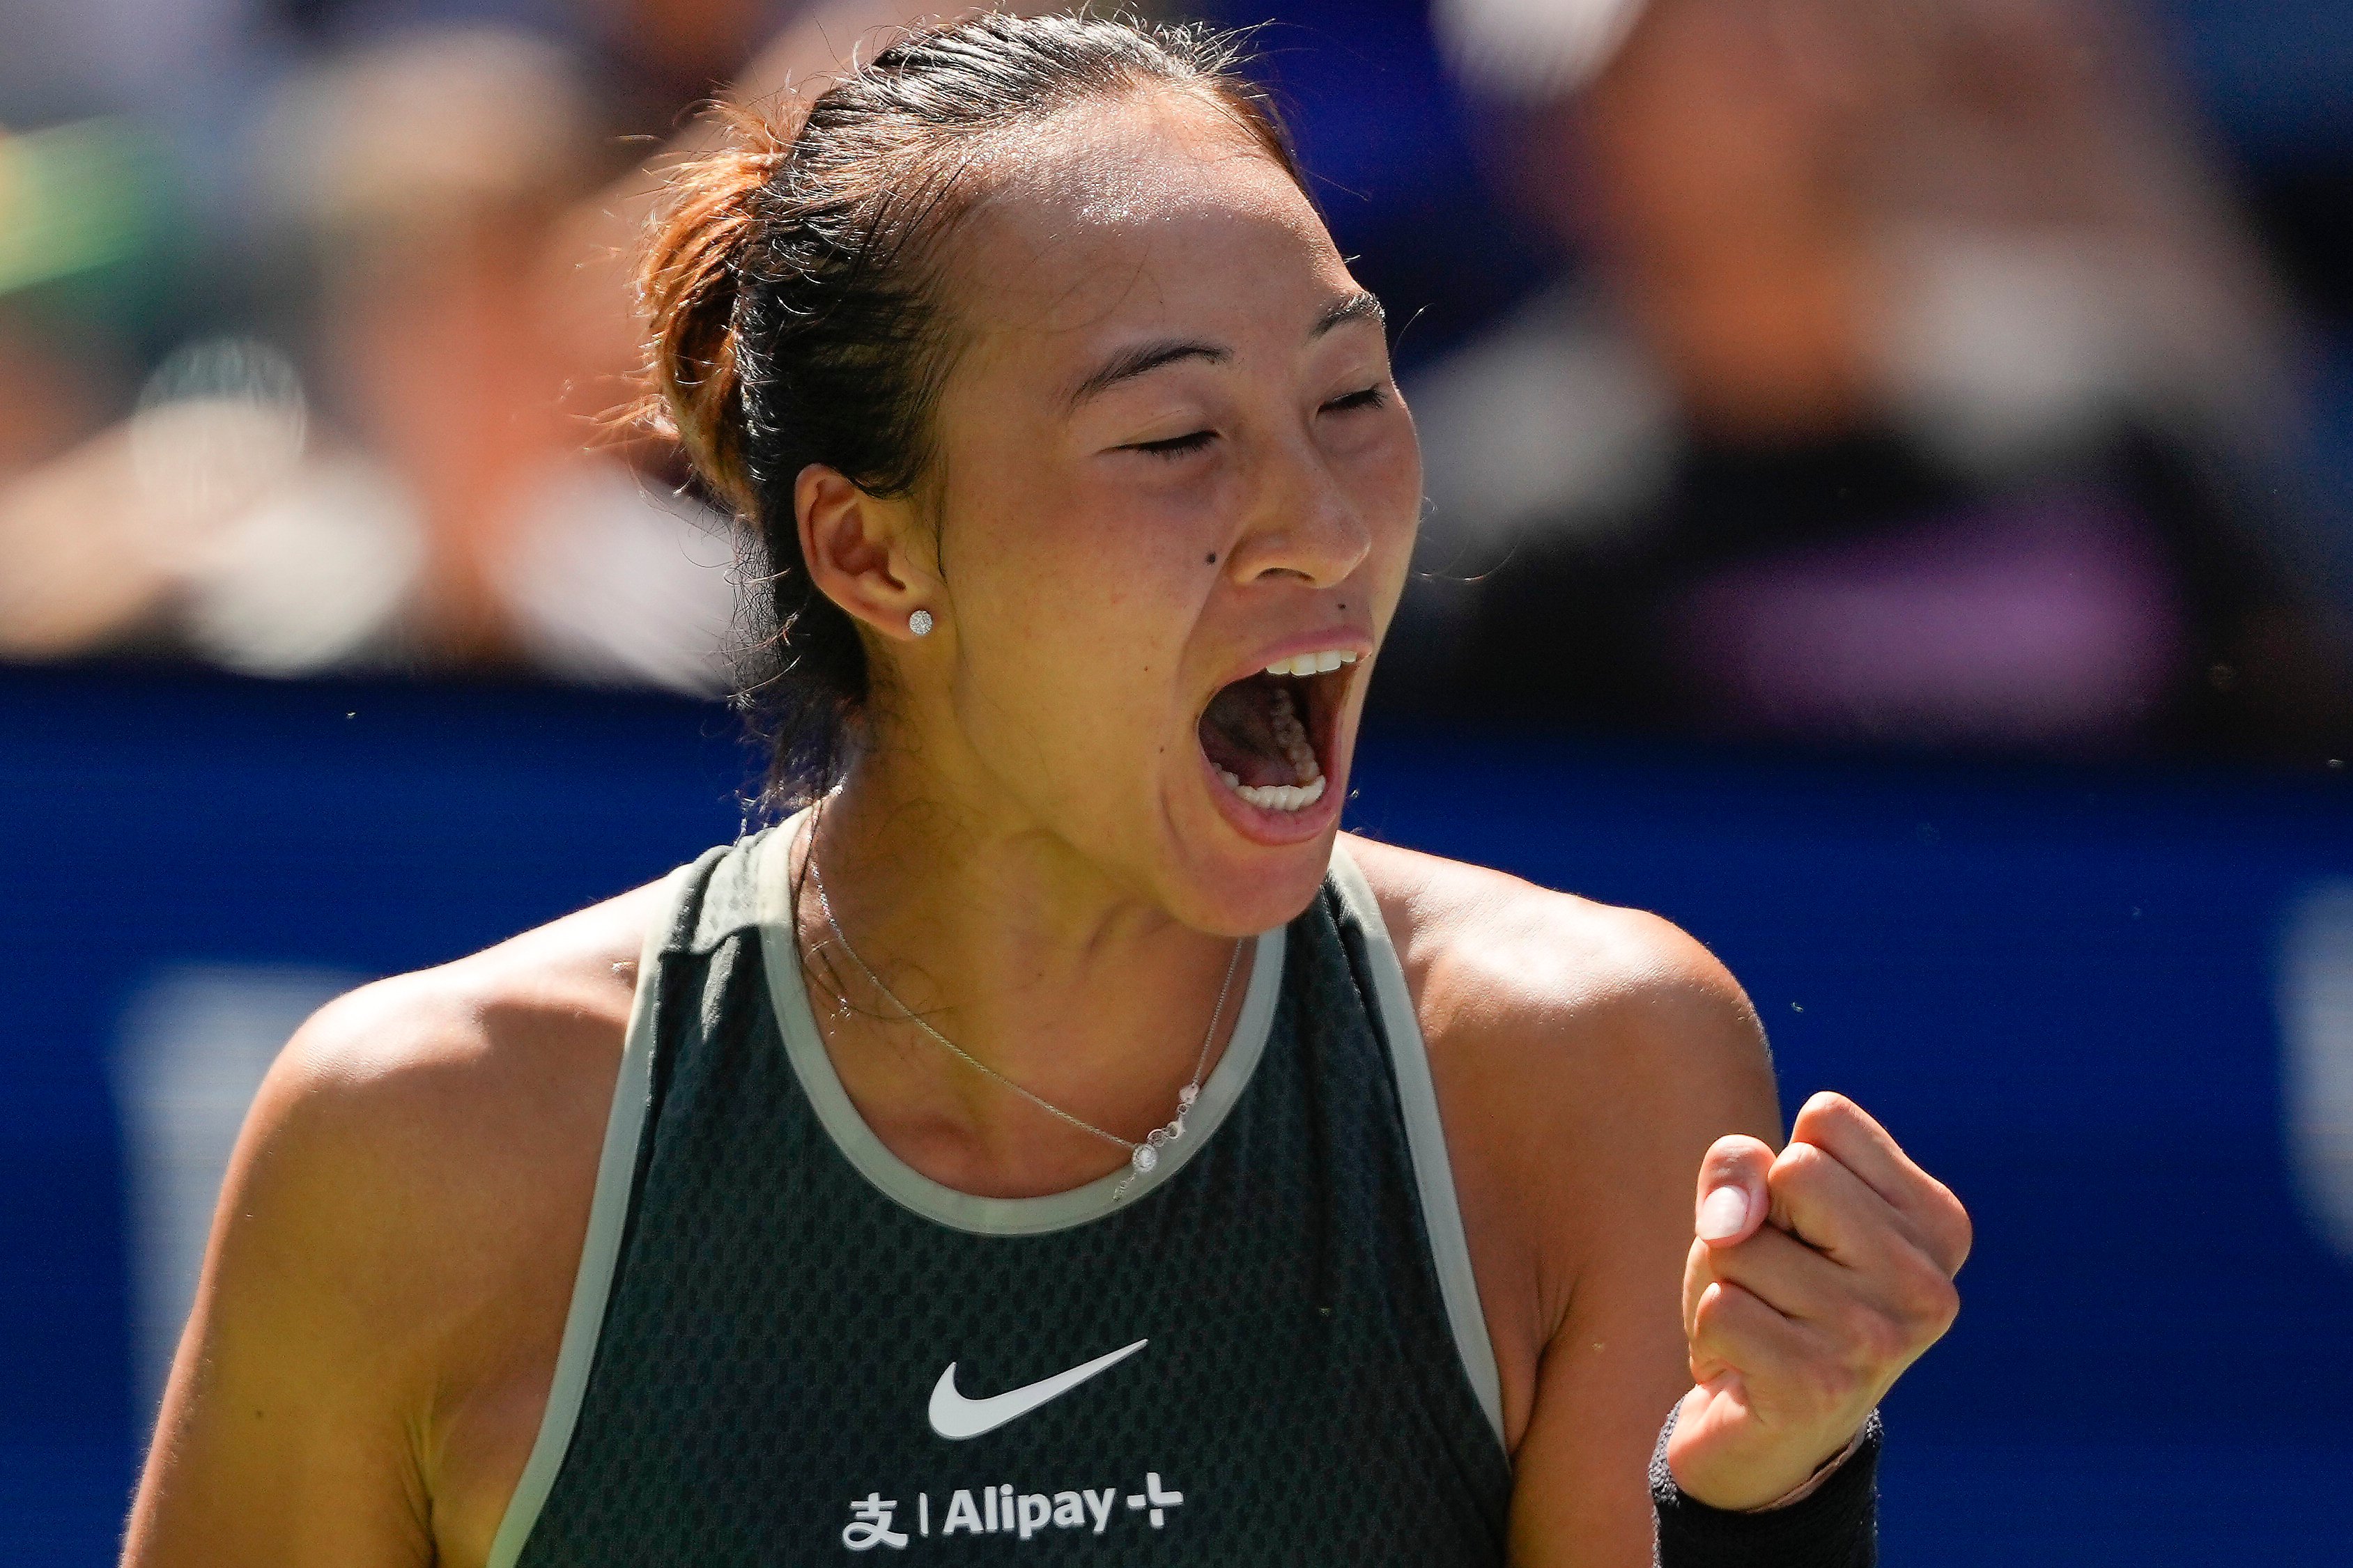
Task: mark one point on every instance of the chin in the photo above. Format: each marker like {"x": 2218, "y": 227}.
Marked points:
{"x": 1247, "y": 866}
{"x": 1236, "y": 890}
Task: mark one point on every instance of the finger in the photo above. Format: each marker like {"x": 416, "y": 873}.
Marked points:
{"x": 1875, "y": 1288}
{"x": 1878, "y": 1319}
{"x": 1787, "y": 1378}
{"x": 1826, "y": 1206}
{"x": 1733, "y": 1199}
{"x": 1842, "y": 1128}
{"x": 1786, "y": 1275}
{"x": 1733, "y": 1329}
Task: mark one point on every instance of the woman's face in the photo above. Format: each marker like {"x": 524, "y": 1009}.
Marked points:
{"x": 1173, "y": 457}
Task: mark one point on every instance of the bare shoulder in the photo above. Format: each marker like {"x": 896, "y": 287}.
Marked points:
{"x": 1586, "y": 1056}
{"x": 507, "y": 1017}
{"x": 385, "y": 1285}
{"x": 438, "y": 1132}
{"x": 442, "y": 1079}
{"x": 1532, "y": 981}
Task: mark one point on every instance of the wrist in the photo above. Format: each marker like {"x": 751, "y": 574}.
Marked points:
{"x": 1831, "y": 1521}
{"x": 1749, "y": 1476}
{"x": 1822, "y": 1472}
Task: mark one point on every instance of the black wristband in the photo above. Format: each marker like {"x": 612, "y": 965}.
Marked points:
{"x": 1834, "y": 1526}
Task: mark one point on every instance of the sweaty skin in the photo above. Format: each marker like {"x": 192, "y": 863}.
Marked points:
{"x": 1033, "y": 850}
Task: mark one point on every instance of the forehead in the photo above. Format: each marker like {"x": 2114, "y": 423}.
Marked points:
{"x": 1144, "y": 214}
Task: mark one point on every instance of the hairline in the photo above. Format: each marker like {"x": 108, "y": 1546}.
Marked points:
{"x": 980, "y": 162}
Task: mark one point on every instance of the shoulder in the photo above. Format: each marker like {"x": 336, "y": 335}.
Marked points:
{"x": 415, "y": 1173}
{"x": 1586, "y": 1056}
{"x": 1534, "y": 981}
{"x": 386, "y": 1280}
{"x": 437, "y": 1083}
{"x": 515, "y": 1018}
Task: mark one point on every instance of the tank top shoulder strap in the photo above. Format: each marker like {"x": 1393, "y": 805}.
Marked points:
{"x": 1391, "y": 1006}
{"x": 687, "y": 913}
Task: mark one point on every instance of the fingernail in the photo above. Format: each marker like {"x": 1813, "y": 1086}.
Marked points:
{"x": 1722, "y": 1214}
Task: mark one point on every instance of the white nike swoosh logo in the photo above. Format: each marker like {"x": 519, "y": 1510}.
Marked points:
{"x": 955, "y": 1417}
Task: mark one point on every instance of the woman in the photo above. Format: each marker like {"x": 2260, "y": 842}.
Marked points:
{"x": 1057, "y": 1133}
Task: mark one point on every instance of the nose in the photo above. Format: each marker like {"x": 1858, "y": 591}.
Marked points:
{"x": 1302, "y": 524}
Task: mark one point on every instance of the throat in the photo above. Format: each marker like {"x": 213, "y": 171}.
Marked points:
{"x": 1030, "y": 1036}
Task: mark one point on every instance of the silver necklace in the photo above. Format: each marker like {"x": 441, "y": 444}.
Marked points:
{"x": 1141, "y": 1156}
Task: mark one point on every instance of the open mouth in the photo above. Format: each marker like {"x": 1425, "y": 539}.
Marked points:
{"x": 1268, "y": 734}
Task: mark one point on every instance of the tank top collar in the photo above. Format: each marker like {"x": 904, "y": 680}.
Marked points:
{"x": 910, "y": 1188}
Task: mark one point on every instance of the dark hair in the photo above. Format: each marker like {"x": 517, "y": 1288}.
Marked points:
{"x": 792, "y": 291}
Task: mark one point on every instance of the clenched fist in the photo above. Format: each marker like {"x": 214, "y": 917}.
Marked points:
{"x": 1816, "y": 1277}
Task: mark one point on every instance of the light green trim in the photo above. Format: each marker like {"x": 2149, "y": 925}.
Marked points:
{"x": 909, "y": 1187}
{"x": 1425, "y": 1136}
{"x": 607, "y": 1214}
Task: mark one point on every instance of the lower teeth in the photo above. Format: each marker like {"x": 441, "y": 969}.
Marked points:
{"x": 1277, "y": 797}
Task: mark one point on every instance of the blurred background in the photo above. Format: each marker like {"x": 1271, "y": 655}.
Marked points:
{"x": 1891, "y": 509}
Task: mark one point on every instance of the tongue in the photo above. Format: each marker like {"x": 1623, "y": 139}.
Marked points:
{"x": 1238, "y": 733}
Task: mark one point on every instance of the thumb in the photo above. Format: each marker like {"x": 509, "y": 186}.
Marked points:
{"x": 1732, "y": 1198}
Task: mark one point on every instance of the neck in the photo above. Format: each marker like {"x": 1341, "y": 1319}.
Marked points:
{"x": 1008, "y": 943}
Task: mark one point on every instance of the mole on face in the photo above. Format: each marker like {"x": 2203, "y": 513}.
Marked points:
{"x": 1211, "y": 560}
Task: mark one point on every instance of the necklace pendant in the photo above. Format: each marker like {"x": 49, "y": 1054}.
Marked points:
{"x": 1145, "y": 1157}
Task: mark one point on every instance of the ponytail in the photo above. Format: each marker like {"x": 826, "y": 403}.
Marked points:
{"x": 689, "y": 286}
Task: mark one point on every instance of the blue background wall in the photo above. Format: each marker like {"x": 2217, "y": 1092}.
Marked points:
{"x": 2056, "y": 986}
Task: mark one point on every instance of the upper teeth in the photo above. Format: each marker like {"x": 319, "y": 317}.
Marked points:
{"x": 1331, "y": 659}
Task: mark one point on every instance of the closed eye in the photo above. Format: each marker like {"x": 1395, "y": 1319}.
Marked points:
{"x": 1175, "y": 446}
{"x": 1371, "y": 397}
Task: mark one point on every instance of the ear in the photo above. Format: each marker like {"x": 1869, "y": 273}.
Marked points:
{"x": 863, "y": 552}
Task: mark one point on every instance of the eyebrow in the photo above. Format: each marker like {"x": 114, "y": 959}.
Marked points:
{"x": 1142, "y": 360}
{"x": 1358, "y": 307}
{"x": 1146, "y": 358}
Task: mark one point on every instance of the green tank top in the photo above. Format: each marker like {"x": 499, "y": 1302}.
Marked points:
{"x": 787, "y": 1346}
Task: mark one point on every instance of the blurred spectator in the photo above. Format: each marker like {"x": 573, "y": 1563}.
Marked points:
{"x": 420, "y": 463}
{"x": 86, "y": 215}
{"x": 432, "y": 505}
{"x": 1917, "y": 391}
{"x": 1908, "y": 381}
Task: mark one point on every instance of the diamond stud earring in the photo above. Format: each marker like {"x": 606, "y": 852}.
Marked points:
{"x": 920, "y": 623}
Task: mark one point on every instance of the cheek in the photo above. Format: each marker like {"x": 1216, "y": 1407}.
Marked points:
{"x": 1093, "y": 571}
{"x": 1385, "y": 482}
{"x": 1080, "y": 613}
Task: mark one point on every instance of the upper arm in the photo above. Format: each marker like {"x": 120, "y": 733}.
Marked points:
{"x": 287, "y": 1432}
{"x": 1664, "y": 1070}
{"x": 1586, "y": 1057}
